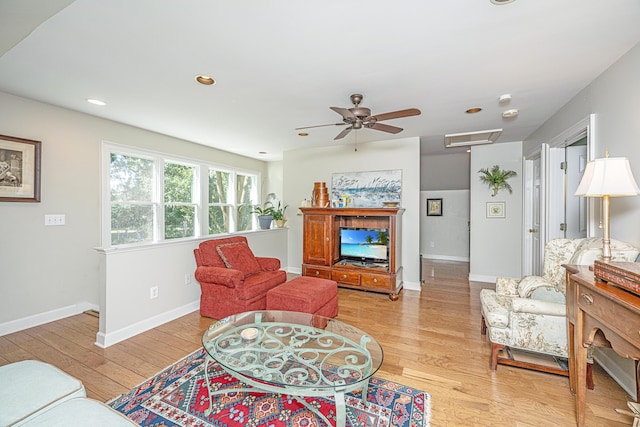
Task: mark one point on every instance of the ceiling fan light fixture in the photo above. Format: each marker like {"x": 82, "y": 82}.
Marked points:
{"x": 473, "y": 110}
{"x": 501, "y": 2}
{"x": 471, "y": 138}
{"x": 303, "y": 134}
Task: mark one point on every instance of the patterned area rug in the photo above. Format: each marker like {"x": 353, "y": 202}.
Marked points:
{"x": 178, "y": 396}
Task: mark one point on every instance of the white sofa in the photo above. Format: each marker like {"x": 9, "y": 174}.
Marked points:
{"x": 34, "y": 393}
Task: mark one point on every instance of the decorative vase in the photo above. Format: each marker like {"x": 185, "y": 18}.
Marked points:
{"x": 265, "y": 221}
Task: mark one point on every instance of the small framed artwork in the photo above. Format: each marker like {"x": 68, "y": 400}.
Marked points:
{"x": 496, "y": 210}
{"x": 434, "y": 207}
{"x": 19, "y": 169}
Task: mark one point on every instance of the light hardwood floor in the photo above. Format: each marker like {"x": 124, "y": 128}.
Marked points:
{"x": 431, "y": 341}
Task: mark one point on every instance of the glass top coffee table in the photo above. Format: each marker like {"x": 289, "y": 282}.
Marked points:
{"x": 293, "y": 353}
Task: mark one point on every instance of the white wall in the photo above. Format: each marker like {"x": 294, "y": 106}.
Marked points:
{"x": 129, "y": 274}
{"x": 447, "y": 236}
{"x": 305, "y": 166}
{"x": 496, "y": 243}
{"x": 445, "y": 172}
{"x": 52, "y": 272}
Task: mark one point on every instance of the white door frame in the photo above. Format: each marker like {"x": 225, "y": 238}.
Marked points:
{"x": 586, "y": 126}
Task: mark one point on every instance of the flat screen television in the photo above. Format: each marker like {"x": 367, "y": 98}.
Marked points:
{"x": 364, "y": 244}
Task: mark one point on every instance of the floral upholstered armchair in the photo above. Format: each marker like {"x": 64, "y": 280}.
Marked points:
{"x": 530, "y": 313}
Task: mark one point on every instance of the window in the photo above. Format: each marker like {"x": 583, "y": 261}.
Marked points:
{"x": 151, "y": 197}
{"x": 132, "y": 206}
{"x": 180, "y": 208}
{"x": 231, "y": 197}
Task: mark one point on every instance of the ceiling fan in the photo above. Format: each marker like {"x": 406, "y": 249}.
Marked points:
{"x": 360, "y": 117}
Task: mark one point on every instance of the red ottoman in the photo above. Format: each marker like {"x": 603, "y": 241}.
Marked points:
{"x": 305, "y": 294}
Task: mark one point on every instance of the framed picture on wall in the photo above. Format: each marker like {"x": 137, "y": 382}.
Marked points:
{"x": 434, "y": 207}
{"x": 496, "y": 210}
{"x": 19, "y": 169}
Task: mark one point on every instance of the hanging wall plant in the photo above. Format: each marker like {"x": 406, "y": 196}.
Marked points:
{"x": 496, "y": 178}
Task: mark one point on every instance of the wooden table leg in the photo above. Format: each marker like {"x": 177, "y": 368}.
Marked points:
{"x": 580, "y": 368}
{"x": 572, "y": 356}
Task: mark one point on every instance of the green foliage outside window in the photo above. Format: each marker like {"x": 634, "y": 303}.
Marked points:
{"x": 131, "y": 195}
{"x": 179, "y": 210}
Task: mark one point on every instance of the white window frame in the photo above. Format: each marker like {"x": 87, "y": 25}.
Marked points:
{"x": 200, "y": 190}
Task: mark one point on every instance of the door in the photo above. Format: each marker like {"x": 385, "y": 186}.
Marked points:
{"x": 575, "y": 216}
{"x": 316, "y": 242}
{"x": 532, "y": 253}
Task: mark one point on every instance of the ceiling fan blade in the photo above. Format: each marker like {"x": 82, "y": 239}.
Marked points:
{"x": 319, "y": 126}
{"x": 343, "y": 133}
{"x": 384, "y": 128}
{"x": 395, "y": 114}
{"x": 344, "y": 112}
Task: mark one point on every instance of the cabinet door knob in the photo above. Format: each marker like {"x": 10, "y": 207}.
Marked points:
{"x": 375, "y": 280}
{"x": 344, "y": 276}
{"x": 588, "y": 298}
{"x": 317, "y": 273}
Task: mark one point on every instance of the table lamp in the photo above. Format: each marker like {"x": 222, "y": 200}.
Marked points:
{"x": 606, "y": 178}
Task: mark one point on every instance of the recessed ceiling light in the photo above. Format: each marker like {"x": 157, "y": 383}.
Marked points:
{"x": 205, "y": 80}
{"x": 473, "y": 110}
{"x": 303, "y": 134}
{"x": 510, "y": 113}
{"x": 501, "y": 2}
{"x": 96, "y": 102}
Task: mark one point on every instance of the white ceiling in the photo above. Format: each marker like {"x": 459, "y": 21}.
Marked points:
{"x": 280, "y": 64}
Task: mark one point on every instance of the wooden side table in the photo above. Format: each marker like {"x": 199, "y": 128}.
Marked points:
{"x": 602, "y": 315}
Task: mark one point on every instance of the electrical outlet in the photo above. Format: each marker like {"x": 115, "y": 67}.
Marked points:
{"x": 187, "y": 278}
{"x": 54, "y": 219}
{"x": 153, "y": 292}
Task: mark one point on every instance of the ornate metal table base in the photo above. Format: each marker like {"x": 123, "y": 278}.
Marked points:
{"x": 296, "y": 354}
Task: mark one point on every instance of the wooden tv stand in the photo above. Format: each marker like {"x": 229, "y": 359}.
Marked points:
{"x": 321, "y": 248}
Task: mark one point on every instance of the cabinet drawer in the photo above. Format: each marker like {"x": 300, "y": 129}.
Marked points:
{"x": 375, "y": 281}
{"x": 622, "y": 321}
{"x": 346, "y": 277}
{"x": 320, "y": 273}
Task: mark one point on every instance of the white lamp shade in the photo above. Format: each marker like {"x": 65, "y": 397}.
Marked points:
{"x": 609, "y": 176}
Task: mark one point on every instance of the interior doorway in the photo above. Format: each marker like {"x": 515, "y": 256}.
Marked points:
{"x": 561, "y": 213}
{"x": 575, "y": 211}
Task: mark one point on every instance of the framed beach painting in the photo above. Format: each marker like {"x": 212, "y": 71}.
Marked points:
{"x": 19, "y": 169}
{"x": 370, "y": 189}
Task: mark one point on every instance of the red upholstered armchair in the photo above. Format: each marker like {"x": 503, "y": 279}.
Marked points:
{"x": 232, "y": 279}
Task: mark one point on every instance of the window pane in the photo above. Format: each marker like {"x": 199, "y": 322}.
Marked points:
{"x": 131, "y": 179}
{"x": 178, "y": 183}
{"x": 131, "y": 224}
{"x": 219, "y": 221}
{"x": 245, "y": 218}
{"x": 245, "y": 186}
{"x": 219, "y": 186}
{"x": 179, "y": 221}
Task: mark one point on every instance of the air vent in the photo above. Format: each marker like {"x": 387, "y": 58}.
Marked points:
{"x": 471, "y": 138}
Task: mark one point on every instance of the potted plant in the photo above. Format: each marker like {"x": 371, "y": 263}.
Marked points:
{"x": 278, "y": 215}
{"x": 496, "y": 178}
{"x": 265, "y": 215}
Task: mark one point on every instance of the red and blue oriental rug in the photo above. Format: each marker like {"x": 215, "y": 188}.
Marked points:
{"x": 178, "y": 396}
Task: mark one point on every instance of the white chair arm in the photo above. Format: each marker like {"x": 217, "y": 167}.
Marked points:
{"x": 528, "y": 305}
{"x": 529, "y": 284}
{"x": 507, "y": 286}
